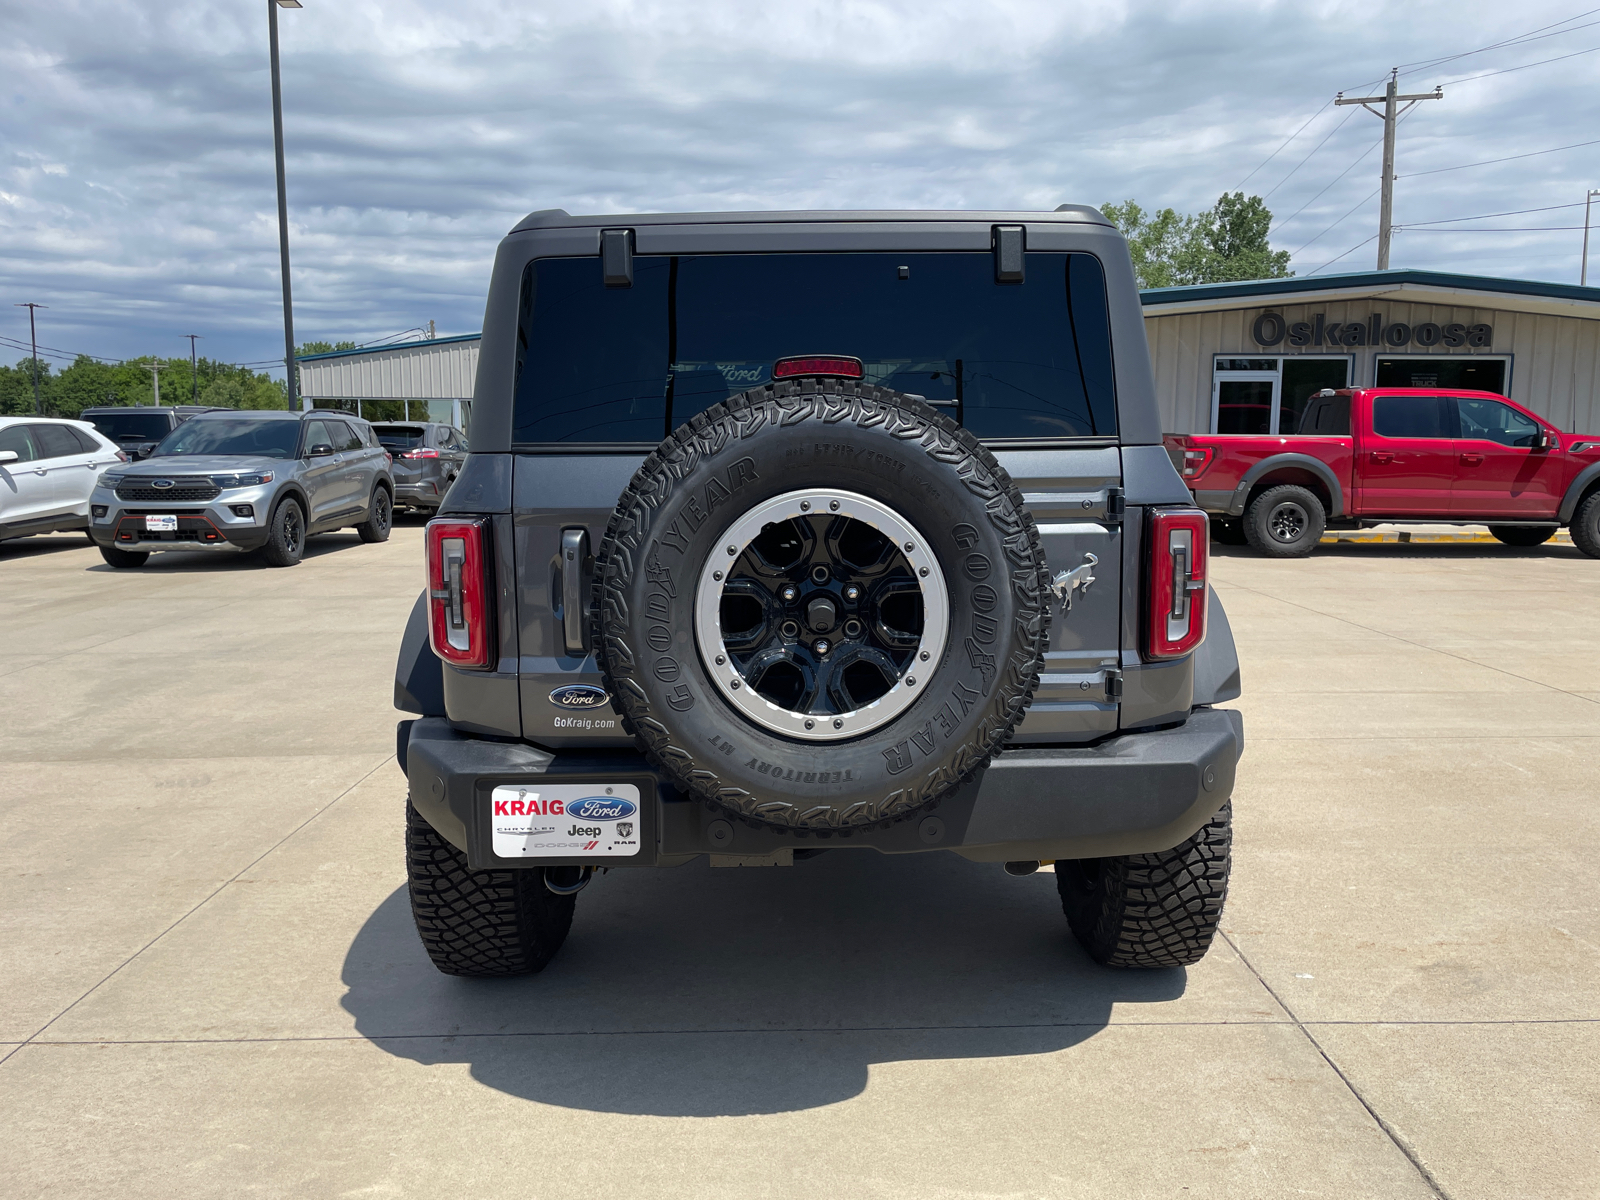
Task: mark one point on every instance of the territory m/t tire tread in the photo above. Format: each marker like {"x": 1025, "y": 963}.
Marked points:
{"x": 1151, "y": 910}
{"x": 481, "y": 924}
{"x": 818, "y": 434}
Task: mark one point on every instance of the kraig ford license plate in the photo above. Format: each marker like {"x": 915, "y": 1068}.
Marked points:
{"x": 566, "y": 820}
{"x": 161, "y": 524}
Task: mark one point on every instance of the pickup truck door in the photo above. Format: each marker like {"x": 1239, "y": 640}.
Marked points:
{"x": 1406, "y": 458}
{"x": 1500, "y": 472}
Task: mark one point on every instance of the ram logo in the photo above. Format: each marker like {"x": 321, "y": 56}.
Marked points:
{"x": 579, "y": 695}
{"x": 600, "y": 808}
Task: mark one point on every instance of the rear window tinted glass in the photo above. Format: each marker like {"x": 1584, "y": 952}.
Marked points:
{"x": 398, "y": 437}
{"x": 598, "y": 364}
{"x": 1330, "y": 415}
{"x": 1410, "y": 417}
{"x": 56, "y": 441}
{"x": 131, "y": 426}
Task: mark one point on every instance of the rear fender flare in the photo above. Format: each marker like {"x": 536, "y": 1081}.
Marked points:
{"x": 1587, "y": 478}
{"x": 1278, "y": 462}
{"x": 419, "y": 675}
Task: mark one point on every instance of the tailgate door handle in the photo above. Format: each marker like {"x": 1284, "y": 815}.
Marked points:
{"x": 574, "y": 557}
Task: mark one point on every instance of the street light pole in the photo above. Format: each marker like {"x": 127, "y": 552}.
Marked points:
{"x": 194, "y": 368}
{"x": 283, "y": 197}
{"x": 1583, "y": 272}
{"x": 33, "y": 338}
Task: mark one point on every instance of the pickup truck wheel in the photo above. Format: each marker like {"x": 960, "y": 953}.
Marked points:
{"x": 1228, "y": 531}
{"x": 1523, "y": 535}
{"x": 1151, "y": 910}
{"x": 484, "y": 924}
{"x": 286, "y": 535}
{"x": 1586, "y": 525}
{"x": 123, "y": 558}
{"x": 1285, "y": 522}
{"x": 820, "y": 605}
{"x": 380, "y": 517}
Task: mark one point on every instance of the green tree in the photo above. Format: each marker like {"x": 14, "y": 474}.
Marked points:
{"x": 1227, "y": 243}
{"x": 88, "y": 383}
{"x": 323, "y": 348}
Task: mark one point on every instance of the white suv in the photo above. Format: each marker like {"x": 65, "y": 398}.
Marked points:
{"x": 48, "y": 468}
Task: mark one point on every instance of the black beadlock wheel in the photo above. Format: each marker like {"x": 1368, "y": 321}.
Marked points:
{"x": 1151, "y": 910}
{"x": 484, "y": 924}
{"x": 821, "y": 606}
{"x": 1585, "y": 526}
{"x": 1523, "y": 535}
{"x": 1285, "y": 522}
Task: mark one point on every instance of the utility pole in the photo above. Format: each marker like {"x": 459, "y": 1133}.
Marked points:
{"x": 1583, "y": 272}
{"x": 194, "y": 367}
{"x": 1391, "y": 117}
{"x": 155, "y": 376}
{"x": 283, "y": 196}
{"x": 33, "y": 340}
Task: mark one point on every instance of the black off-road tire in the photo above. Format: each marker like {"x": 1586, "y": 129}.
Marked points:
{"x": 1585, "y": 526}
{"x": 286, "y": 534}
{"x": 1228, "y": 531}
{"x": 1523, "y": 535}
{"x": 482, "y": 924}
{"x": 817, "y": 434}
{"x": 1151, "y": 910}
{"x": 380, "y": 517}
{"x": 1285, "y": 522}
{"x": 123, "y": 559}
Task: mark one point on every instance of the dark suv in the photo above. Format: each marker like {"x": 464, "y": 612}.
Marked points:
{"x": 427, "y": 459}
{"x": 137, "y": 429}
{"x": 792, "y": 532}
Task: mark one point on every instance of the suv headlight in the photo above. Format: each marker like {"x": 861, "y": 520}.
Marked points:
{"x": 109, "y": 480}
{"x": 239, "y": 481}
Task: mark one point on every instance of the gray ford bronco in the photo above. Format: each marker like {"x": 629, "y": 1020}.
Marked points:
{"x": 784, "y": 533}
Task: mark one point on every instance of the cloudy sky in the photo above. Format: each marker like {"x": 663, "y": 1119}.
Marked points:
{"x": 136, "y": 179}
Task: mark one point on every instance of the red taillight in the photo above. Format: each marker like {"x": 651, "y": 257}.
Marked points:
{"x": 817, "y": 364}
{"x": 420, "y": 454}
{"x": 1176, "y": 601}
{"x": 458, "y": 595}
{"x": 121, "y": 457}
{"x": 1196, "y": 461}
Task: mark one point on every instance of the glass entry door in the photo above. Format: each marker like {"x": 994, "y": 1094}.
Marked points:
{"x": 1245, "y": 401}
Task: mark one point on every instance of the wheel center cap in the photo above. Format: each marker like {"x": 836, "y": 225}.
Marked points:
{"x": 821, "y": 614}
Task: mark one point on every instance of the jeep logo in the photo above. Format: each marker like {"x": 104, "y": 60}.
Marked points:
{"x": 579, "y": 695}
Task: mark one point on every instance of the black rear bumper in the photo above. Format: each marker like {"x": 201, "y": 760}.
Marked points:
{"x": 1135, "y": 793}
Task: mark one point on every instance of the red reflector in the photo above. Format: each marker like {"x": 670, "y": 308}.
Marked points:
{"x": 420, "y": 454}
{"x": 1175, "y": 604}
{"x": 458, "y": 595}
{"x": 817, "y": 364}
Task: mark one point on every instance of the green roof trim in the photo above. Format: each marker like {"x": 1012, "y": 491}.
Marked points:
{"x": 1376, "y": 280}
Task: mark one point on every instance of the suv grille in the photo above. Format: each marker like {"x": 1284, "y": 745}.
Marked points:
{"x": 184, "y": 489}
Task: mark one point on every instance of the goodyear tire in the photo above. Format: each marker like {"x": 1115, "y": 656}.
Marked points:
{"x": 820, "y": 606}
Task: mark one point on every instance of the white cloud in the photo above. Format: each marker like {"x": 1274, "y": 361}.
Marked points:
{"x": 136, "y": 167}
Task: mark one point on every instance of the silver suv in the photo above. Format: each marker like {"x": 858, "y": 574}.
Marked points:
{"x": 250, "y": 481}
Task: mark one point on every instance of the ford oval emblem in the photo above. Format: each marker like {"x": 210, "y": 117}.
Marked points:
{"x": 161, "y": 483}
{"x": 601, "y": 808}
{"x": 579, "y": 695}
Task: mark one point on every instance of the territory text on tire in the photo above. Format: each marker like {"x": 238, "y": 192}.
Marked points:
{"x": 286, "y": 534}
{"x": 124, "y": 558}
{"x": 1285, "y": 522}
{"x": 820, "y": 606}
{"x": 1523, "y": 535}
{"x": 1151, "y": 910}
{"x": 380, "y": 517}
{"x": 480, "y": 923}
{"x": 1586, "y": 525}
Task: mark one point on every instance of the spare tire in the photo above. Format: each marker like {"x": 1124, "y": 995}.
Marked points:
{"x": 820, "y": 605}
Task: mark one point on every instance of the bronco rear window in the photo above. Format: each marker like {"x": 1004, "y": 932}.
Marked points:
{"x": 617, "y": 365}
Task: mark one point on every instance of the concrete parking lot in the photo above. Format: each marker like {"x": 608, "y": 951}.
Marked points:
{"x": 209, "y": 985}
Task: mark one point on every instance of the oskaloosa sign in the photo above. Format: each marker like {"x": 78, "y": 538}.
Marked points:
{"x": 1270, "y": 329}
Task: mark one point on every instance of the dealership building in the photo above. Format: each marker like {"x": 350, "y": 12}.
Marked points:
{"x": 1228, "y": 357}
{"x": 1243, "y": 357}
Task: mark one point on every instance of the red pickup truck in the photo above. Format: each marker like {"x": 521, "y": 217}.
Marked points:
{"x": 1369, "y": 456}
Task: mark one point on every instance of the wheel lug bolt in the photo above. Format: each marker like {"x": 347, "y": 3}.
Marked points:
{"x": 852, "y": 592}
{"x": 822, "y": 647}
{"x": 790, "y": 592}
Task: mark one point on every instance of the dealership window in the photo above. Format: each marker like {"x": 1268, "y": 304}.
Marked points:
{"x": 1268, "y": 395}
{"x": 1480, "y": 373}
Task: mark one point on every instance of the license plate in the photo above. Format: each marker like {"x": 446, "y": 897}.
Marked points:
{"x": 161, "y": 524}
{"x": 567, "y": 820}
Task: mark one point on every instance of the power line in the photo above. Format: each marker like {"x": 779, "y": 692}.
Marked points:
{"x": 1346, "y": 254}
{"x": 1523, "y": 67}
{"x": 1531, "y": 36}
{"x": 1489, "y": 162}
{"x": 1342, "y": 219}
{"x": 1494, "y": 229}
{"x": 1280, "y": 149}
{"x": 1359, "y": 160}
{"x": 1515, "y": 212}
{"x": 1307, "y": 158}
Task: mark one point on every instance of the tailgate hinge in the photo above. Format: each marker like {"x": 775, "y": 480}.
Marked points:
{"x": 1114, "y": 685}
{"x": 1115, "y": 505}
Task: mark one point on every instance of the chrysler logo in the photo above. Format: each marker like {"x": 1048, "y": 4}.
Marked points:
{"x": 161, "y": 483}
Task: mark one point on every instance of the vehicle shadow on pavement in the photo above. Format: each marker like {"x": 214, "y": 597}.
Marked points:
{"x": 200, "y": 561}
{"x": 31, "y": 547}
{"x": 1437, "y": 551}
{"x": 716, "y": 992}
